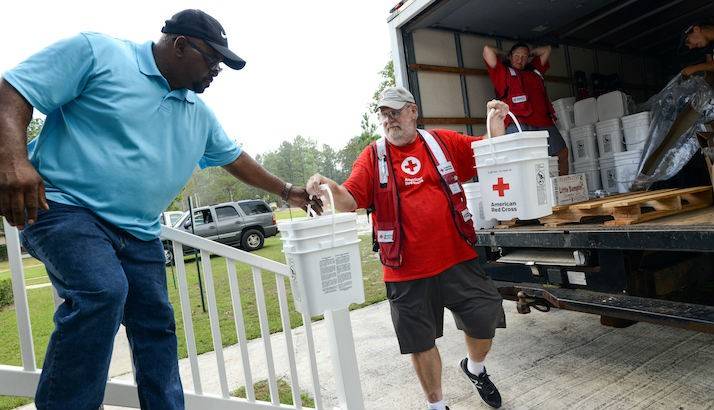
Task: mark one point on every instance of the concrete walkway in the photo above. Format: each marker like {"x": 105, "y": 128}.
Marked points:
{"x": 556, "y": 360}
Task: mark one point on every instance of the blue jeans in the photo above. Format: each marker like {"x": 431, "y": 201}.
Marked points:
{"x": 106, "y": 277}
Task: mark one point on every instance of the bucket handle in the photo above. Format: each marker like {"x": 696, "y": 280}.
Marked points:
{"x": 312, "y": 213}
{"x": 488, "y": 122}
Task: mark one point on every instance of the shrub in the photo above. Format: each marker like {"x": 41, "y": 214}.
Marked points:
{"x": 6, "y": 298}
{"x": 3, "y": 253}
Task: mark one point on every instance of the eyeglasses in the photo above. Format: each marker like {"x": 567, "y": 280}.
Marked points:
{"x": 391, "y": 114}
{"x": 213, "y": 63}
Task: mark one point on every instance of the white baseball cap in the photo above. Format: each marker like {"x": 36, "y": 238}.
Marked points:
{"x": 395, "y": 98}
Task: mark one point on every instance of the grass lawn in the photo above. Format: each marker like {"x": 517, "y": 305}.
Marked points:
{"x": 298, "y": 213}
{"x": 285, "y": 394}
{"x": 41, "y": 305}
{"x": 34, "y": 271}
{"x": 287, "y": 213}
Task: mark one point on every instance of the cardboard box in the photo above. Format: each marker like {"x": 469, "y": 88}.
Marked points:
{"x": 569, "y": 189}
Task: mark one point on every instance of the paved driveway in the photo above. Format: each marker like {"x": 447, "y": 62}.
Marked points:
{"x": 555, "y": 360}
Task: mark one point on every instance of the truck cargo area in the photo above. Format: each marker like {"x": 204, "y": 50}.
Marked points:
{"x": 657, "y": 271}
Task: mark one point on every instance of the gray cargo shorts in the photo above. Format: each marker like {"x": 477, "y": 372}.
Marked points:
{"x": 417, "y": 306}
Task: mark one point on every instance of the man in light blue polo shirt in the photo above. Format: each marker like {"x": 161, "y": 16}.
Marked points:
{"x": 124, "y": 131}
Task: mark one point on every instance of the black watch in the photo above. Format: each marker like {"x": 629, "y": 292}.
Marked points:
{"x": 285, "y": 194}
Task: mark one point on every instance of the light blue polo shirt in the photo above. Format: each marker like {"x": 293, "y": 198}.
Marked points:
{"x": 116, "y": 139}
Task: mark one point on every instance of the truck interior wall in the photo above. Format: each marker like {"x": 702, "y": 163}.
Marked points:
{"x": 480, "y": 89}
{"x": 444, "y": 90}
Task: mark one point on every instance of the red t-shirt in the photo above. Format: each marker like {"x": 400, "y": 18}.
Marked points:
{"x": 533, "y": 87}
{"x": 431, "y": 242}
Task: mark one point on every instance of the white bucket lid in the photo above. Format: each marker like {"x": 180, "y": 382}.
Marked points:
{"x": 636, "y": 117}
{"x": 472, "y": 187}
{"x": 627, "y": 154}
{"x": 586, "y": 164}
{"x": 583, "y": 130}
{"x": 539, "y": 137}
{"x": 536, "y": 136}
{"x": 297, "y": 224}
{"x": 608, "y": 160}
{"x": 615, "y": 122}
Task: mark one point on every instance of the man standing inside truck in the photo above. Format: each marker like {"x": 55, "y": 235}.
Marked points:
{"x": 699, "y": 35}
{"x": 518, "y": 81}
{"x": 411, "y": 179}
{"x": 124, "y": 132}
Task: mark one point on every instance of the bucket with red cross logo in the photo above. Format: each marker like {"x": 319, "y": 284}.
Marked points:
{"x": 513, "y": 172}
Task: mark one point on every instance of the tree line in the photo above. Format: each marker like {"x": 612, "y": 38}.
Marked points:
{"x": 295, "y": 160}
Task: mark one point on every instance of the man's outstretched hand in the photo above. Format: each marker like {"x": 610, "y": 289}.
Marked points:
{"x": 300, "y": 198}
{"x": 22, "y": 192}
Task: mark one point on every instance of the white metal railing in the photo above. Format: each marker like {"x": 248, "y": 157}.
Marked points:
{"x": 22, "y": 381}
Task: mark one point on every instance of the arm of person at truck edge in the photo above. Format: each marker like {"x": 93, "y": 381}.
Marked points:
{"x": 247, "y": 170}
{"x": 708, "y": 66}
{"x": 490, "y": 55}
{"x": 22, "y": 191}
{"x": 543, "y": 53}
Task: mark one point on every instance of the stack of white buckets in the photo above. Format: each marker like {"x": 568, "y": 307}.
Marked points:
{"x": 609, "y": 162}
{"x": 322, "y": 253}
{"x": 514, "y": 177}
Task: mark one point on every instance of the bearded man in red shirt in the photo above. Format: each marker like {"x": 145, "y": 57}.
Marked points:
{"x": 411, "y": 179}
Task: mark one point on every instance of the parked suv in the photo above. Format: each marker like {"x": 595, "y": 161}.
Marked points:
{"x": 243, "y": 224}
{"x": 170, "y": 218}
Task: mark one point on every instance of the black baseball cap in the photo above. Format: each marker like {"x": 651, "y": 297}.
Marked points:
{"x": 196, "y": 23}
{"x": 687, "y": 31}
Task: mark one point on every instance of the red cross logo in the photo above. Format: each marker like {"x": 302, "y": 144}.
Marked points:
{"x": 411, "y": 165}
{"x": 501, "y": 187}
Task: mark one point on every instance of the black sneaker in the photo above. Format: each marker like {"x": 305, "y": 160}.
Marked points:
{"x": 483, "y": 385}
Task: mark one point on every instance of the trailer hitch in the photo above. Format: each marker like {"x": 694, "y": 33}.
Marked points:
{"x": 525, "y": 303}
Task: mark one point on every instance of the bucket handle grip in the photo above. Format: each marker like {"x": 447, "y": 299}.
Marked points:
{"x": 488, "y": 122}
{"x": 327, "y": 189}
{"x": 312, "y": 213}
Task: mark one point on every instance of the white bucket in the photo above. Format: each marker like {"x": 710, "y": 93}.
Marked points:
{"x": 513, "y": 174}
{"x": 472, "y": 192}
{"x": 584, "y": 142}
{"x": 564, "y": 113}
{"x": 607, "y": 173}
{"x": 324, "y": 260}
{"x": 612, "y": 105}
{"x": 569, "y": 145}
{"x": 626, "y": 166}
{"x": 585, "y": 112}
{"x": 553, "y": 166}
{"x": 609, "y": 137}
{"x": 636, "y": 129}
{"x": 591, "y": 170}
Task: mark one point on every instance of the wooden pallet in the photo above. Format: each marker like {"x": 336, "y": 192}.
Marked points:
{"x": 632, "y": 208}
{"x": 515, "y": 223}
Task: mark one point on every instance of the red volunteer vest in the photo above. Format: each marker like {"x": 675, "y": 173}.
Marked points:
{"x": 387, "y": 226}
{"x": 515, "y": 94}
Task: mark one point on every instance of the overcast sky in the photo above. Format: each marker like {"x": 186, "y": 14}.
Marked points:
{"x": 312, "y": 66}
